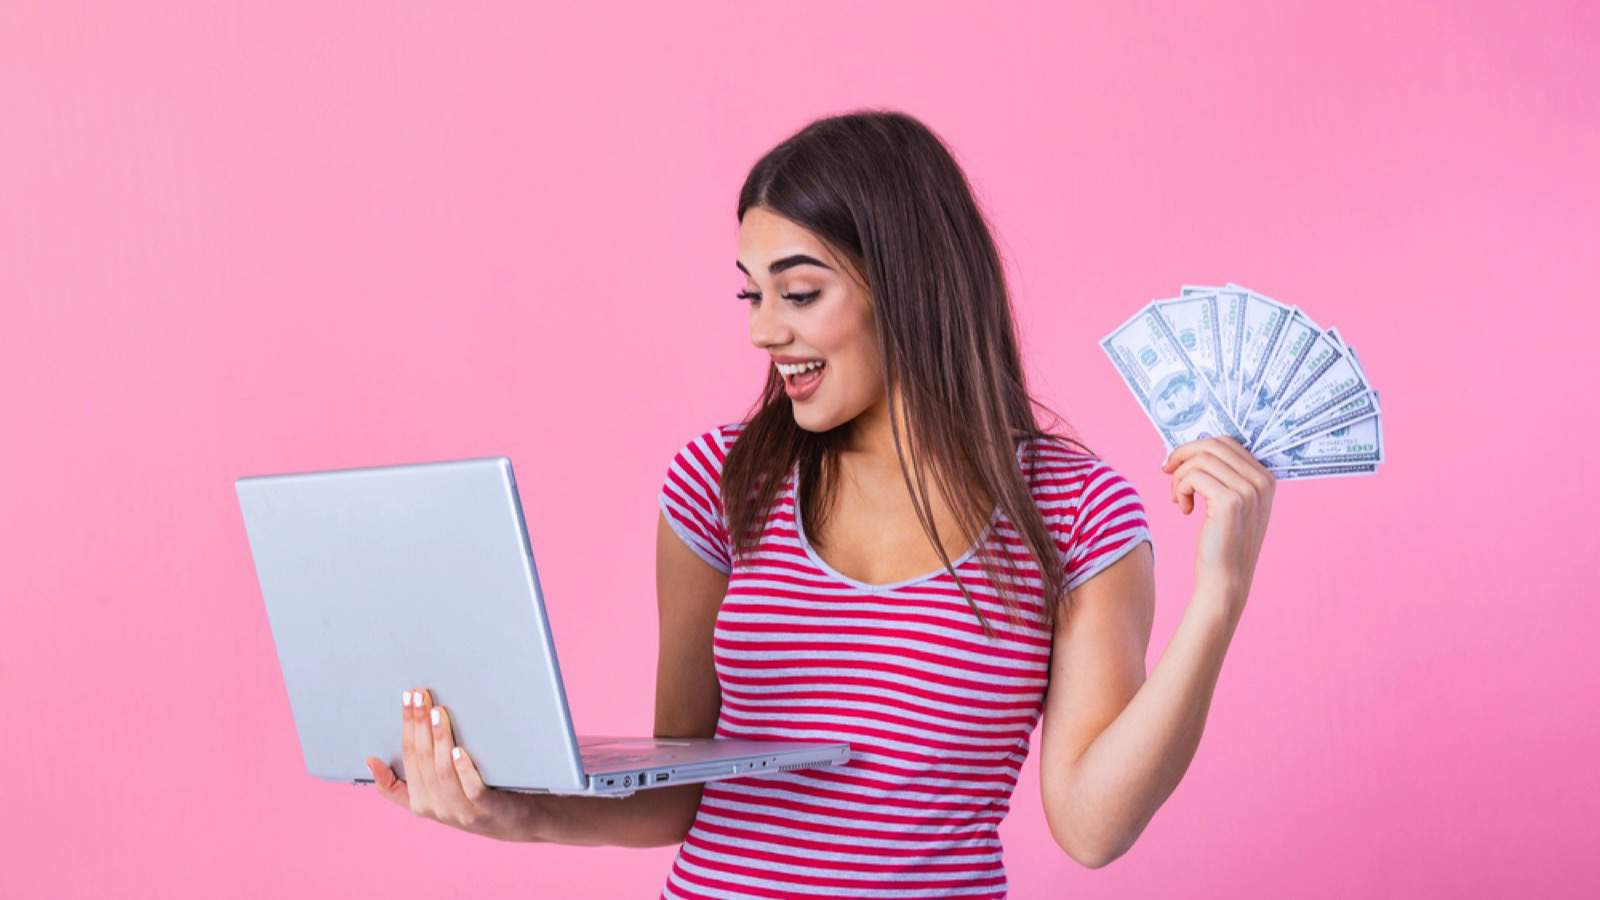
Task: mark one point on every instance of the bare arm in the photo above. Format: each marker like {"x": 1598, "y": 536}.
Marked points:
{"x": 1116, "y": 744}
{"x": 688, "y": 701}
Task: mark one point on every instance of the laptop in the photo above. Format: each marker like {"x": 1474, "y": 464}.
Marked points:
{"x": 385, "y": 578}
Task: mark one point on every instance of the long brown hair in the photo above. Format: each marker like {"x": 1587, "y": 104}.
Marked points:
{"x": 882, "y": 191}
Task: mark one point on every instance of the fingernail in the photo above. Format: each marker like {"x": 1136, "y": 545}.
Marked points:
{"x": 405, "y": 698}
{"x": 455, "y": 752}
{"x": 435, "y": 715}
{"x": 416, "y": 699}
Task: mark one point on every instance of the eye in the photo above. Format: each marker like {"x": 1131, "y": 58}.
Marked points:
{"x": 799, "y": 299}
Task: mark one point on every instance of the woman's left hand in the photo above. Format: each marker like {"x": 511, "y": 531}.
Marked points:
{"x": 1238, "y": 492}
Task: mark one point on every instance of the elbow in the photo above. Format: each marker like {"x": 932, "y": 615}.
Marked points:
{"x": 1089, "y": 860}
{"x": 1107, "y": 855}
{"x": 684, "y": 806}
{"x": 1082, "y": 834}
{"x": 1091, "y": 854}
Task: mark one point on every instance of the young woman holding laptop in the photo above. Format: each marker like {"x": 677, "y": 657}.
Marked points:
{"x": 890, "y": 551}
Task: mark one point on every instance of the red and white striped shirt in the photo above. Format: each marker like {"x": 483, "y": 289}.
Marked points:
{"x": 938, "y": 717}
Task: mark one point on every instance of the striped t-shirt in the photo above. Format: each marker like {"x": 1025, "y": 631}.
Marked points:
{"x": 938, "y": 717}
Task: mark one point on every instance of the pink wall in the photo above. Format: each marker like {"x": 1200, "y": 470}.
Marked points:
{"x": 285, "y": 236}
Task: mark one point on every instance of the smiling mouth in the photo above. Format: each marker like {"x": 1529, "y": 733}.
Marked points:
{"x": 803, "y": 385}
{"x": 802, "y": 375}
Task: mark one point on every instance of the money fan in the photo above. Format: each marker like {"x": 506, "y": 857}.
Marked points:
{"x": 1216, "y": 361}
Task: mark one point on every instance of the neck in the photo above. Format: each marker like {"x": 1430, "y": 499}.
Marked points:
{"x": 870, "y": 440}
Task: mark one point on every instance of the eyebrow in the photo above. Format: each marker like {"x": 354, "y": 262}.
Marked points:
{"x": 788, "y": 262}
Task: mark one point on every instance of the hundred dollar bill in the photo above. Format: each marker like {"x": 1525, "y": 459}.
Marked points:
{"x": 1362, "y": 406}
{"x": 1193, "y": 318}
{"x": 1264, "y": 395}
{"x": 1358, "y": 442}
{"x": 1327, "y": 471}
{"x": 1170, "y": 388}
{"x": 1354, "y": 409}
{"x": 1327, "y": 349}
{"x": 1264, "y": 323}
{"x": 1335, "y": 380}
{"x": 1230, "y": 327}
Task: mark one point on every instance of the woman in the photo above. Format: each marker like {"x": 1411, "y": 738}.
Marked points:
{"x": 865, "y": 558}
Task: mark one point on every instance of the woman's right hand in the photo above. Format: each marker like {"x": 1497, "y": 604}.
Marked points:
{"x": 443, "y": 783}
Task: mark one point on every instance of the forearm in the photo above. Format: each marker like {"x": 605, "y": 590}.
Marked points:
{"x": 1130, "y": 769}
{"x": 653, "y": 818}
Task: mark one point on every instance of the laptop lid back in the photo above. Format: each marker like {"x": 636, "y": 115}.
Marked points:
{"x": 384, "y": 578}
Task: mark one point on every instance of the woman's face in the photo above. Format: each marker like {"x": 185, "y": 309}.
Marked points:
{"x": 810, "y": 308}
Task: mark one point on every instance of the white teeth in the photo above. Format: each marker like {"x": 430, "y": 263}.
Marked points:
{"x": 789, "y": 371}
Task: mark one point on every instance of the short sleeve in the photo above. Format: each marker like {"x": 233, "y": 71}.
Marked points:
{"x": 1108, "y": 524}
{"x": 691, "y": 499}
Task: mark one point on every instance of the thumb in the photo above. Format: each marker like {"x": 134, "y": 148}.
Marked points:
{"x": 388, "y": 783}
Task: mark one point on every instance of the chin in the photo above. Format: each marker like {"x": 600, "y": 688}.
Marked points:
{"x": 808, "y": 421}
{"x": 814, "y": 420}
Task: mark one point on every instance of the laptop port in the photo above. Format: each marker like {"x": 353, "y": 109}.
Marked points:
{"x": 661, "y": 776}
{"x": 627, "y": 781}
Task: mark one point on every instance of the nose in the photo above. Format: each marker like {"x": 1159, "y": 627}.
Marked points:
{"x": 767, "y": 328}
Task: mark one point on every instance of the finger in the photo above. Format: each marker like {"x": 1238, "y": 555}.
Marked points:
{"x": 423, "y": 780}
{"x": 1236, "y": 491}
{"x": 1180, "y": 453}
{"x": 408, "y": 751}
{"x": 451, "y": 796}
{"x": 1222, "y": 445}
{"x": 387, "y": 782}
{"x": 405, "y": 719}
{"x": 1243, "y": 461}
{"x": 1217, "y": 494}
{"x": 467, "y": 771}
{"x": 1193, "y": 450}
{"x": 1231, "y": 452}
{"x": 1223, "y": 472}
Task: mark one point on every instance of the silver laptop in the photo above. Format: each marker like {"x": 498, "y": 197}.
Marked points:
{"x": 384, "y": 578}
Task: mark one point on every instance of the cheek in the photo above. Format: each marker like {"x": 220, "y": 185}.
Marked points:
{"x": 846, "y": 336}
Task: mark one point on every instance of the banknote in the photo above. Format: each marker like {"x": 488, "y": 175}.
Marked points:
{"x": 1230, "y": 360}
{"x": 1264, "y": 323}
{"x": 1173, "y": 392}
{"x": 1230, "y": 320}
{"x": 1355, "y": 409}
{"x": 1358, "y": 442}
{"x": 1194, "y": 320}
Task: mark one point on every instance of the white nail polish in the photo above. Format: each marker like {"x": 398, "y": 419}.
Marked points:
{"x": 434, "y": 715}
{"x": 405, "y": 699}
{"x": 455, "y": 752}
{"x": 416, "y": 699}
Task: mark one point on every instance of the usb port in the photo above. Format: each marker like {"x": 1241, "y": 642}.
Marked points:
{"x": 661, "y": 776}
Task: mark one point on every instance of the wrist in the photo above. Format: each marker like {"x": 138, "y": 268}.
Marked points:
{"x": 533, "y": 814}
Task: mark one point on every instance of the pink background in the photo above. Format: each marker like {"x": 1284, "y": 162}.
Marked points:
{"x": 271, "y": 237}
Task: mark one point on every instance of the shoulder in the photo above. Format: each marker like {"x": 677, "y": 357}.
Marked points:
{"x": 705, "y": 451}
{"x": 691, "y": 495}
{"x": 694, "y": 473}
{"x": 1086, "y": 501}
{"x": 728, "y": 433}
{"x": 1059, "y": 473}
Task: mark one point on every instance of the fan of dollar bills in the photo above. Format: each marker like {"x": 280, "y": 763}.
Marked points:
{"x": 1216, "y": 361}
